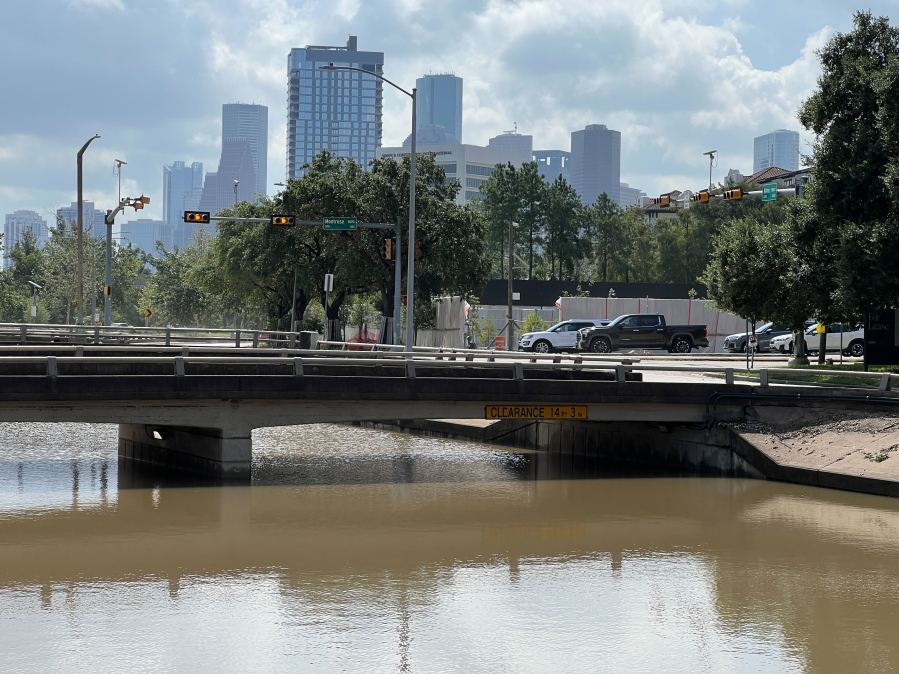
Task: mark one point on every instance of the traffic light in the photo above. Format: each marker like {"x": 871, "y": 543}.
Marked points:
{"x": 283, "y": 220}
{"x": 664, "y": 200}
{"x": 733, "y": 195}
{"x": 701, "y": 197}
{"x": 138, "y": 203}
{"x": 196, "y": 216}
{"x": 387, "y": 249}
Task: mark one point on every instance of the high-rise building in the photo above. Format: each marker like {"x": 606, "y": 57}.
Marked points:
{"x": 17, "y": 223}
{"x": 439, "y": 103}
{"x": 630, "y": 196}
{"x": 94, "y": 219}
{"x": 553, "y": 163}
{"x": 517, "y": 146}
{"x": 182, "y": 187}
{"x": 596, "y": 163}
{"x": 241, "y": 172}
{"x": 779, "y": 148}
{"x": 337, "y": 110}
{"x": 250, "y": 122}
{"x": 144, "y": 233}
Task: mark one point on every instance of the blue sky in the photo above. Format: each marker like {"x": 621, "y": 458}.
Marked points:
{"x": 676, "y": 78}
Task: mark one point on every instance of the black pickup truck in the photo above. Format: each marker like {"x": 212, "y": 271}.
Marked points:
{"x": 642, "y": 331}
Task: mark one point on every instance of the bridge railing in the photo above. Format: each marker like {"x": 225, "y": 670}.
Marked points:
{"x": 53, "y": 333}
{"x": 410, "y": 365}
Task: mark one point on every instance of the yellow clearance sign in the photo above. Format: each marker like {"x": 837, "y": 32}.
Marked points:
{"x": 549, "y": 412}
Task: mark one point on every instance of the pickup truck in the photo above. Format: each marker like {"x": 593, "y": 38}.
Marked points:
{"x": 642, "y": 331}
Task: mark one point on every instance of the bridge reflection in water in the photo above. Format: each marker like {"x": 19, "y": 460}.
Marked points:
{"x": 368, "y": 550}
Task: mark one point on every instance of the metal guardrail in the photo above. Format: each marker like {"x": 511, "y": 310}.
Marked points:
{"x": 412, "y": 364}
{"x": 43, "y": 333}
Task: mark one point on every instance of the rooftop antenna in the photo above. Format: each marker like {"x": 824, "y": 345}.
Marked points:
{"x": 712, "y": 155}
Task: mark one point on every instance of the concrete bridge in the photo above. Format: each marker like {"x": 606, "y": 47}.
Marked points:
{"x": 199, "y": 412}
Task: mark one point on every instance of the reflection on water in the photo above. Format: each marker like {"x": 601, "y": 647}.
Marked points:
{"x": 358, "y": 550}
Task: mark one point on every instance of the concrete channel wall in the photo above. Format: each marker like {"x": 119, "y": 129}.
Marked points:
{"x": 675, "y": 448}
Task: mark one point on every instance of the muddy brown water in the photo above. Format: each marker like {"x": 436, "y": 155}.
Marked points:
{"x": 361, "y": 550}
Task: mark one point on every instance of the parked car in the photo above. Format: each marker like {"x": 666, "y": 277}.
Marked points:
{"x": 644, "y": 331}
{"x": 764, "y": 335}
{"x": 852, "y": 339}
{"x": 560, "y": 337}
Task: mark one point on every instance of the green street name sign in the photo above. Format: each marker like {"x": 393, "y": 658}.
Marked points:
{"x": 769, "y": 192}
{"x": 340, "y": 224}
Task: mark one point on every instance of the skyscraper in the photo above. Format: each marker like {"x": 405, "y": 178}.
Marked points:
{"x": 553, "y": 163}
{"x": 17, "y": 223}
{"x": 94, "y": 219}
{"x": 518, "y": 146}
{"x": 779, "y": 148}
{"x": 182, "y": 187}
{"x": 241, "y": 174}
{"x": 250, "y": 122}
{"x": 439, "y": 103}
{"x": 596, "y": 163}
{"x": 339, "y": 111}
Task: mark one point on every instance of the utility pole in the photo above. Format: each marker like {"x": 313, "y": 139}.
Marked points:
{"x": 236, "y": 183}
{"x": 107, "y": 290}
{"x": 79, "y": 269}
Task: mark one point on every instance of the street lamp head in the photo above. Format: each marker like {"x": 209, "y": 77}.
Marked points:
{"x": 36, "y": 286}
{"x": 330, "y": 66}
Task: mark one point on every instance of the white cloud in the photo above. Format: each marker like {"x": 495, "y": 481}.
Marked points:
{"x": 674, "y": 77}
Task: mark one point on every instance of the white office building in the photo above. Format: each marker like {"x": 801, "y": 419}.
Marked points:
{"x": 470, "y": 165}
{"x": 518, "y": 147}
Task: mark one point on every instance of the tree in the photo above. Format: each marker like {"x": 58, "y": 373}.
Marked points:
{"x": 608, "y": 234}
{"x": 563, "y": 213}
{"x": 852, "y": 230}
{"x": 501, "y": 205}
{"x": 757, "y": 270}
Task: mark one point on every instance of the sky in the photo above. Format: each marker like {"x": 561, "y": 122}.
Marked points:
{"x": 675, "y": 77}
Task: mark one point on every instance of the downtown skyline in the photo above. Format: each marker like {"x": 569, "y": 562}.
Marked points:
{"x": 552, "y": 68}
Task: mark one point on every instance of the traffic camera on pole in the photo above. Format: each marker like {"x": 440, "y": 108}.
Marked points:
{"x": 283, "y": 220}
{"x": 196, "y": 216}
{"x": 734, "y": 195}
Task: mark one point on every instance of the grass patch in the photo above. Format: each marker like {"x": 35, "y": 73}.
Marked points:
{"x": 799, "y": 376}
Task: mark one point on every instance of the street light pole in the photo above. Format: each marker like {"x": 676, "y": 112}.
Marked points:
{"x": 136, "y": 204}
{"x": 410, "y": 249}
{"x": 510, "y": 323}
{"x": 711, "y": 155}
{"x": 79, "y": 271}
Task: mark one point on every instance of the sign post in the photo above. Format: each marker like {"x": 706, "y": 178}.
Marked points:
{"x": 769, "y": 192}
{"x": 335, "y": 224}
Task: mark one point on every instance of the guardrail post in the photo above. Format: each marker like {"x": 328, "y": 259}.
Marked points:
{"x": 620, "y": 373}
{"x": 298, "y": 367}
{"x": 518, "y": 371}
{"x": 96, "y": 334}
{"x": 168, "y": 335}
{"x": 237, "y": 338}
{"x": 469, "y": 357}
{"x": 557, "y": 359}
{"x": 729, "y": 376}
{"x": 293, "y": 340}
{"x": 23, "y": 334}
{"x": 79, "y": 351}
{"x": 52, "y": 369}
{"x": 179, "y": 366}
{"x": 185, "y": 351}
{"x": 410, "y": 368}
{"x": 255, "y": 340}
{"x": 763, "y": 377}
{"x": 885, "y": 381}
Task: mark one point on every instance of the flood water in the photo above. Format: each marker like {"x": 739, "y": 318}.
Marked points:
{"x": 366, "y": 551}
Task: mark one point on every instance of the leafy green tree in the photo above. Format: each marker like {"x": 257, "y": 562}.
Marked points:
{"x": 853, "y": 229}
{"x": 563, "y": 213}
{"x": 501, "y": 205}
{"x": 608, "y": 232}
{"x": 643, "y": 258}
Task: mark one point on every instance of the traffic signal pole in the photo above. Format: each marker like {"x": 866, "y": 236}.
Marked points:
{"x": 397, "y": 289}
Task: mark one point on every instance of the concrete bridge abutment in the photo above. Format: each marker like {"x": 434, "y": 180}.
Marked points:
{"x": 215, "y": 452}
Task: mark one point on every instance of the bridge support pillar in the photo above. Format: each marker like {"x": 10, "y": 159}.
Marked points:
{"x": 210, "y": 451}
